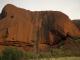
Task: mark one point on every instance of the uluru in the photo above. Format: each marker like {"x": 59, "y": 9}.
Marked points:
{"x": 25, "y": 28}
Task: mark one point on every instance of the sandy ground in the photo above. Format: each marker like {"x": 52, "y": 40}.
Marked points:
{"x": 61, "y": 58}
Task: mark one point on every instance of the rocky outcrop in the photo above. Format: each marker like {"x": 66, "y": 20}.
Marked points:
{"x": 37, "y": 28}
{"x": 77, "y": 22}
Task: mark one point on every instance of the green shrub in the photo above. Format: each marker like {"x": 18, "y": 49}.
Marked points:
{"x": 11, "y": 54}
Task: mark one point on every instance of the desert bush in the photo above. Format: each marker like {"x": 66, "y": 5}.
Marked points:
{"x": 11, "y": 54}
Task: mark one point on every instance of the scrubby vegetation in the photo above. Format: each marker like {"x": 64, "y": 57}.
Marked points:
{"x": 13, "y": 53}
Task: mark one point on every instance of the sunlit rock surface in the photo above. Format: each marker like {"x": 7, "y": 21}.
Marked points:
{"x": 29, "y": 28}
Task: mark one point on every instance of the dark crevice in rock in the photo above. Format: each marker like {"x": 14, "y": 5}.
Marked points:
{"x": 12, "y": 16}
{"x": 3, "y": 14}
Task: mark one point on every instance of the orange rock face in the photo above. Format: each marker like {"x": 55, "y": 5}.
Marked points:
{"x": 41, "y": 28}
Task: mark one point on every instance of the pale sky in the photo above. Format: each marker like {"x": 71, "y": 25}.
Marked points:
{"x": 69, "y": 7}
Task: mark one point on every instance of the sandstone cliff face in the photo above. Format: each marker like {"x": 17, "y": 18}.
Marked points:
{"x": 19, "y": 28}
{"x": 43, "y": 27}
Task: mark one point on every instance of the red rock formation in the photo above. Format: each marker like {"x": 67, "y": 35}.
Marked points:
{"x": 41, "y": 28}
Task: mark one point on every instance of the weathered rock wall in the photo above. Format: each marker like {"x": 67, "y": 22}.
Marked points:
{"x": 41, "y": 27}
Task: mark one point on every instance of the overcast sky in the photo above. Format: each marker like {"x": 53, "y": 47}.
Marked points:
{"x": 69, "y": 7}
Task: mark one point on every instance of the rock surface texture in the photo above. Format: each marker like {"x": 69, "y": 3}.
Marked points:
{"x": 32, "y": 29}
{"x": 77, "y": 22}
